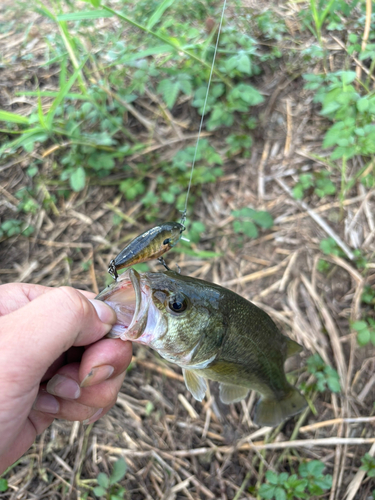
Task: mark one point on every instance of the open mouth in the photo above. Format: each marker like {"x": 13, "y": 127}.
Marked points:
{"x": 128, "y": 296}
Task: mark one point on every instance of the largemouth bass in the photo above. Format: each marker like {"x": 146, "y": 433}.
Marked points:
{"x": 211, "y": 333}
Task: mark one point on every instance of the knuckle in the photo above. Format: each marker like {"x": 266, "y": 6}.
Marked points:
{"x": 110, "y": 397}
{"x": 75, "y": 304}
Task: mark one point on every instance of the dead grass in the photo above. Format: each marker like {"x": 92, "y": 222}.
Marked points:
{"x": 182, "y": 448}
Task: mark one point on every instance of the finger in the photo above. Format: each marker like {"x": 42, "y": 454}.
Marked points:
{"x": 18, "y": 295}
{"x": 69, "y": 410}
{"x": 65, "y": 385}
{"x": 105, "y": 358}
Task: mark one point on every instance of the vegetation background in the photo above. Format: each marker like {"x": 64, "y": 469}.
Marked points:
{"x": 100, "y": 106}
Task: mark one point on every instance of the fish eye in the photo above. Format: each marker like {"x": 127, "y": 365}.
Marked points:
{"x": 166, "y": 241}
{"x": 178, "y": 304}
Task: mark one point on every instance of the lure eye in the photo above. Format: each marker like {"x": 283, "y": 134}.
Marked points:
{"x": 178, "y": 304}
{"x": 167, "y": 241}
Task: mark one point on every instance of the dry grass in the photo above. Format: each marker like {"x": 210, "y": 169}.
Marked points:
{"x": 182, "y": 448}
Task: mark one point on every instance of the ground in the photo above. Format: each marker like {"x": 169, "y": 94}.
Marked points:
{"x": 174, "y": 446}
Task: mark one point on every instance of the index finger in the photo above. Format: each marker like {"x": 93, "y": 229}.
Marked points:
{"x": 17, "y": 295}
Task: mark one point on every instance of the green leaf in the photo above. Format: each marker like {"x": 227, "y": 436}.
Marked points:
{"x": 101, "y": 161}
{"x": 280, "y": 493}
{"x": 363, "y": 105}
{"x": 363, "y": 337}
{"x": 267, "y": 491}
{"x": 168, "y": 197}
{"x": 6, "y": 116}
{"x": 3, "y": 484}
{"x": 131, "y": 188}
{"x": 263, "y": 219}
{"x": 298, "y": 192}
{"x": 99, "y": 491}
{"x": 244, "y": 64}
{"x": 348, "y": 77}
{"x": 333, "y": 379}
{"x": 272, "y": 477}
{"x": 77, "y": 179}
{"x": 315, "y": 468}
{"x": 359, "y": 325}
{"x": 329, "y": 246}
{"x": 103, "y": 480}
{"x": 247, "y": 93}
{"x": 119, "y": 470}
{"x": 169, "y": 89}
{"x": 324, "y": 482}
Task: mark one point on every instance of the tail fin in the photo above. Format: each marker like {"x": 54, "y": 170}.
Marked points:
{"x": 272, "y": 411}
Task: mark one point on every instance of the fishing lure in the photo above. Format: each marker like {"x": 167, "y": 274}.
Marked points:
{"x": 151, "y": 244}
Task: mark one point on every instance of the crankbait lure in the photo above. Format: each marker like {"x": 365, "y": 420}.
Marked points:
{"x": 151, "y": 244}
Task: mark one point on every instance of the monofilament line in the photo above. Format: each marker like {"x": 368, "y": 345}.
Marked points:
{"x": 183, "y": 217}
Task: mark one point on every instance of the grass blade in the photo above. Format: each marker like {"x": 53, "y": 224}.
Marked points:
{"x": 156, "y": 16}
{"x": 170, "y": 42}
{"x": 41, "y": 117}
{"x": 84, "y": 15}
{"x": 51, "y": 93}
{"x": 7, "y": 116}
{"x": 63, "y": 93}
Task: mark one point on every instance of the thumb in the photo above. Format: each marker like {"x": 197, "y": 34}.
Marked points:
{"x": 35, "y": 335}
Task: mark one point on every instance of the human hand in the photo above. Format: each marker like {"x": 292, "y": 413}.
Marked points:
{"x": 54, "y": 362}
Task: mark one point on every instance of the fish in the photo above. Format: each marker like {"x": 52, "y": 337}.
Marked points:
{"x": 151, "y": 244}
{"x": 211, "y": 333}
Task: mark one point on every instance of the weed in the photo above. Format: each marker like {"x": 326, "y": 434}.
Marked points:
{"x": 239, "y": 144}
{"x": 330, "y": 247}
{"x": 320, "y": 11}
{"x": 310, "y": 480}
{"x": 365, "y": 329}
{"x": 368, "y": 295}
{"x": 368, "y": 465}
{"x": 271, "y": 25}
{"x": 107, "y": 486}
{"x": 14, "y": 227}
{"x": 319, "y": 182}
{"x": 27, "y": 202}
{"x": 165, "y": 56}
{"x": 329, "y": 13}
{"x": 323, "y": 266}
{"x": 326, "y": 376}
{"x": 353, "y": 130}
{"x": 247, "y": 220}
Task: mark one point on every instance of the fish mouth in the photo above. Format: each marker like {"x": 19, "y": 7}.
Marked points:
{"x": 129, "y": 297}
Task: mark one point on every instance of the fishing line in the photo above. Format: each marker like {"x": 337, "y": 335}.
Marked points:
{"x": 183, "y": 217}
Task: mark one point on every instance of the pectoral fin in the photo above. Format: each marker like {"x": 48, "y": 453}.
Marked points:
{"x": 196, "y": 384}
{"x": 232, "y": 393}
